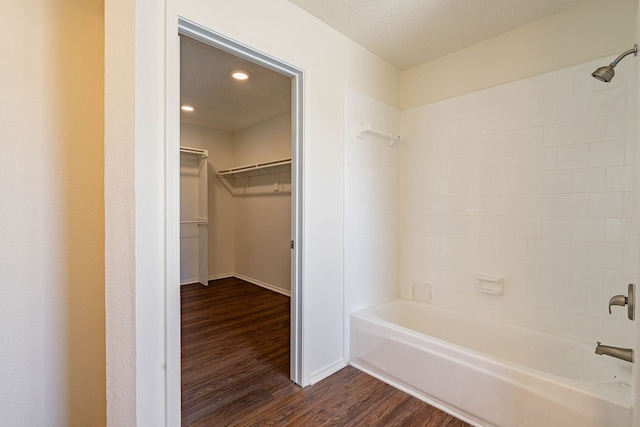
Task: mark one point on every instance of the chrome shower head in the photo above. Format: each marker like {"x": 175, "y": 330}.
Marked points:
{"x": 606, "y": 73}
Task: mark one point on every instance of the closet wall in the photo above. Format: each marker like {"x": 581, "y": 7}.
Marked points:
{"x": 263, "y": 220}
{"x": 221, "y": 205}
{"x": 249, "y": 235}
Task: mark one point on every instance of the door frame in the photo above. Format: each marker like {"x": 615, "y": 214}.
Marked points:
{"x": 172, "y": 197}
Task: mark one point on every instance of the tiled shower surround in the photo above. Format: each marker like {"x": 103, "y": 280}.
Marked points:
{"x": 532, "y": 181}
{"x": 371, "y": 236}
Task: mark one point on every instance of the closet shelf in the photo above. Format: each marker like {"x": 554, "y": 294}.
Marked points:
{"x": 258, "y": 166}
{"x": 260, "y": 178}
{"x": 198, "y": 152}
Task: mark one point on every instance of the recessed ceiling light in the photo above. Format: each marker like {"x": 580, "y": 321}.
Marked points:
{"x": 240, "y": 74}
{"x": 188, "y": 108}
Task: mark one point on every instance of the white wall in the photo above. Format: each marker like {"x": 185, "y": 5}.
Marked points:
{"x": 221, "y": 203}
{"x": 134, "y": 34}
{"x": 591, "y": 30}
{"x": 52, "y": 361}
{"x": 370, "y": 205}
{"x": 531, "y": 181}
{"x": 263, "y": 220}
{"x": 263, "y": 234}
{"x": 263, "y": 142}
{"x": 57, "y": 362}
{"x": 248, "y": 235}
{"x": 135, "y": 274}
{"x": 280, "y": 29}
{"x": 135, "y": 47}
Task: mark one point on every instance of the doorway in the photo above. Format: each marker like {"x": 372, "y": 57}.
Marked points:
{"x": 294, "y": 240}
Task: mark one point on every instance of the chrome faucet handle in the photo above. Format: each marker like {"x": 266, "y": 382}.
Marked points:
{"x": 617, "y": 300}
{"x": 629, "y": 301}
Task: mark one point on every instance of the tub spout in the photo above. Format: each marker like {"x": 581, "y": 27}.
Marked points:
{"x": 620, "y": 353}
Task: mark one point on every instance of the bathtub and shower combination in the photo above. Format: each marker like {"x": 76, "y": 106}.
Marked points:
{"x": 490, "y": 373}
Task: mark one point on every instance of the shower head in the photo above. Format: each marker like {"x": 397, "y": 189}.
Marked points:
{"x": 606, "y": 73}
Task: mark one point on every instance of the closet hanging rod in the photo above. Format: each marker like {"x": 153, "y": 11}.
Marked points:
{"x": 362, "y": 128}
{"x": 199, "y": 221}
{"x": 255, "y": 167}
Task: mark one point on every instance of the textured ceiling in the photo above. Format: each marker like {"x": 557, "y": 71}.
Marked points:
{"x": 224, "y": 103}
{"x": 407, "y": 33}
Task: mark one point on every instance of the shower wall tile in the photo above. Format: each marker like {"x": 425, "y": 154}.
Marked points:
{"x": 618, "y": 126}
{"x": 617, "y": 230}
{"x": 555, "y": 320}
{"x": 615, "y": 281}
{"x": 556, "y": 228}
{"x": 617, "y": 332}
{"x": 588, "y": 229}
{"x": 606, "y": 102}
{"x": 531, "y": 181}
{"x": 370, "y": 200}
{"x": 558, "y": 134}
{"x": 572, "y": 253}
{"x": 606, "y": 204}
{"x": 573, "y": 108}
{"x": 607, "y": 153}
{"x": 559, "y": 86}
{"x": 587, "y": 278}
{"x": 591, "y": 129}
{"x": 557, "y": 181}
{"x": 588, "y": 180}
{"x": 572, "y": 157}
{"x": 619, "y": 178}
{"x": 606, "y": 255}
{"x": 584, "y": 326}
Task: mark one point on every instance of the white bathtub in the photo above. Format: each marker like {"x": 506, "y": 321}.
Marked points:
{"x": 490, "y": 373}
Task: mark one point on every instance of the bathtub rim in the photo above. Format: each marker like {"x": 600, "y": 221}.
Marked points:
{"x": 491, "y": 364}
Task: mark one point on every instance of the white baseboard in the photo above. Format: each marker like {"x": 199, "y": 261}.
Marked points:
{"x": 243, "y": 277}
{"x": 221, "y": 276}
{"x": 263, "y": 284}
{"x": 323, "y": 373}
{"x": 212, "y": 277}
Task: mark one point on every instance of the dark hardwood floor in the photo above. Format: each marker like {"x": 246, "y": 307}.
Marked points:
{"x": 235, "y": 370}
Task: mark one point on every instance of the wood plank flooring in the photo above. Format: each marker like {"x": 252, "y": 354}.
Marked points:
{"x": 235, "y": 370}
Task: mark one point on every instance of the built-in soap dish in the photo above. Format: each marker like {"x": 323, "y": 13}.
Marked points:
{"x": 493, "y": 285}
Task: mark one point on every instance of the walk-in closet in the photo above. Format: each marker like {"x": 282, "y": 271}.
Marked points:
{"x": 235, "y": 213}
{"x": 237, "y": 135}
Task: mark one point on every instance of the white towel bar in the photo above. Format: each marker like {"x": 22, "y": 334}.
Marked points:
{"x": 362, "y": 128}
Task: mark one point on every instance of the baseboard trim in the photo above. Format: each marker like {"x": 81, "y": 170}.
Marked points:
{"x": 242, "y": 277}
{"x": 323, "y": 373}
{"x": 263, "y": 284}
{"x": 221, "y": 276}
{"x": 212, "y": 277}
